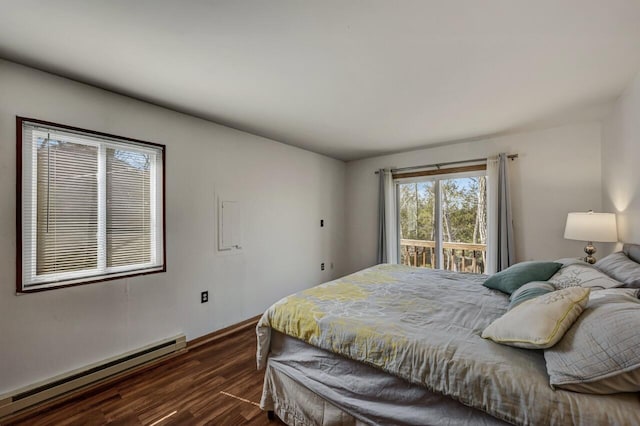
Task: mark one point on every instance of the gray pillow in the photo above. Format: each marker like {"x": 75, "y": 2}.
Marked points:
{"x": 632, "y": 251}
{"x": 529, "y": 291}
{"x": 565, "y": 261}
{"x": 583, "y": 275}
{"x": 619, "y": 267}
{"x": 600, "y": 353}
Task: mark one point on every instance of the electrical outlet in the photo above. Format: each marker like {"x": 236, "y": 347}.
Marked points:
{"x": 321, "y": 223}
{"x": 322, "y": 266}
{"x": 204, "y": 297}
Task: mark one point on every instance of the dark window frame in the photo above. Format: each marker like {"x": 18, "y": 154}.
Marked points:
{"x": 20, "y": 288}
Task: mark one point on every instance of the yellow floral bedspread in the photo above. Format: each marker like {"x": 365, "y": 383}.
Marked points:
{"x": 424, "y": 326}
{"x": 369, "y": 316}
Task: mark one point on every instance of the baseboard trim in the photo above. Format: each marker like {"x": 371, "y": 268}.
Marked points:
{"x": 222, "y": 333}
{"x": 109, "y": 381}
{"x": 94, "y": 387}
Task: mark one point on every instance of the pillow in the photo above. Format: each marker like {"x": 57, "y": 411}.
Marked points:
{"x": 601, "y": 352}
{"x": 540, "y": 322}
{"x": 584, "y": 275}
{"x": 632, "y": 251}
{"x": 514, "y": 277}
{"x": 620, "y": 267}
{"x": 572, "y": 261}
{"x": 529, "y": 291}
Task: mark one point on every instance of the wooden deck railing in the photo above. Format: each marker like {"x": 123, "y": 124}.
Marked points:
{"x": 462, "y": 257}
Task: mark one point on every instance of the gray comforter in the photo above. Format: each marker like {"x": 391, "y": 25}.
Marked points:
{"x": 424, "y": 326}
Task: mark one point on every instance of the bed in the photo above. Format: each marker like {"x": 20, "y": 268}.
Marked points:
{"x": 394, "y": 344}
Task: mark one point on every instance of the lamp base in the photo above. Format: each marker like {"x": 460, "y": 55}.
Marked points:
{"x": 590, "y": 250}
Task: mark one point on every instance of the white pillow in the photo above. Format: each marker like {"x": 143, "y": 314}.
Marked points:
{"x": 540, "y": 322}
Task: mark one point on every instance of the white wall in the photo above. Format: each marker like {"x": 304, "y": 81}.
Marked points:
{"x": 621, "y": 163}
{"x": 285, "y": 192}
{"x": 558, "y": 170}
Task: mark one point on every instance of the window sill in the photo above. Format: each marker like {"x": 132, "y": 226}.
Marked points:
{"x": 35, "y": 288}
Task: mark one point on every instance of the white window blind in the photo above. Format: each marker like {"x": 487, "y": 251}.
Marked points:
{"x": 92, "y": 207}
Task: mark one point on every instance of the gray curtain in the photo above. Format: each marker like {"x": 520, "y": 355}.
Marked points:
{"x": 505, "y": 247}
{"x": 382, "y": 233}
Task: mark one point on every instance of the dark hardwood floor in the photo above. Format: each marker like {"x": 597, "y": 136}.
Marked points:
{"x": 214, "y": 384}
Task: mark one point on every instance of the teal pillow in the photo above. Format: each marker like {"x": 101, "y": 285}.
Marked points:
{"x": 514, "y": 277}
{"x": 529, "y": 291}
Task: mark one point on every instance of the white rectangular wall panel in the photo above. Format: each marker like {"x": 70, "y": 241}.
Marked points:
{"x": 229, "y": 225}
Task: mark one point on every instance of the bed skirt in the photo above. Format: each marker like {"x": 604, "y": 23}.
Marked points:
{"x": 305, "y": 385}
{"x": 298, "y": 406}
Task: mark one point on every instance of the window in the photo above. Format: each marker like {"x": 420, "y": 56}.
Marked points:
{"x": 92, "y": 206}
{"x": 443, "y": 221}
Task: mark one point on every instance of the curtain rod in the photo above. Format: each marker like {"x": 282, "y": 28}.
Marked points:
{"x": 450, "y": 163}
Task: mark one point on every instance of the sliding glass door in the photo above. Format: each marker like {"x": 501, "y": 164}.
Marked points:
{"x": 443, "y": 222}
{"x": 417, "y": 219}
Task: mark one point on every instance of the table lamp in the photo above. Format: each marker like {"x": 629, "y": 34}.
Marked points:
{"x": 591, "y": 227}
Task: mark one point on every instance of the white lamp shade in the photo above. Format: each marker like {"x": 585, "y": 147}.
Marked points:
{"x": 591, "y": 227}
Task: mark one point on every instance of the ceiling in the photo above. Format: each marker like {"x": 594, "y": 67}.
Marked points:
{"x": 349, "y": 79}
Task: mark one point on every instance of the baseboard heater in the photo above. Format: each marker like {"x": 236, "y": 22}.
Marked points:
{"x": 92, "y": 374}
